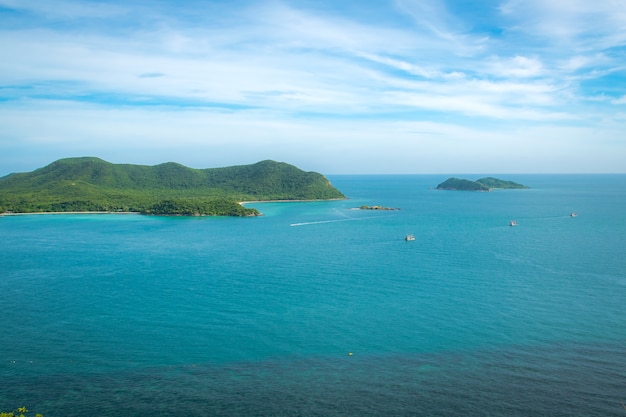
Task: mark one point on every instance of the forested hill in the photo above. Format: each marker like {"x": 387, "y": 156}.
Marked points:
{"x": 483, "y": 184}
{"x": 91, "y": 184}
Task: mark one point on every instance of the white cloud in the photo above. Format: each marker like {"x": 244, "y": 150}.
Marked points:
{"x": 277, "y": 78}
{"x": 620, "y": 100}
{"x": 518, "y": 66}
{"x": 209, "y": 138}
{"x": 577, "y": 62}
{"x": 475, "y": 105}
{"x": 432, "y": 17}
{"x": 586, "y": 24}
{"x": 400, "y": 64}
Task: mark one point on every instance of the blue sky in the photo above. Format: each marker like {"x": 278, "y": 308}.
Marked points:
{"x": 397, "y": 86}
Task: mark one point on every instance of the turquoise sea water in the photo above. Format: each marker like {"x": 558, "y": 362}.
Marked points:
{"x": 111, "y": 315}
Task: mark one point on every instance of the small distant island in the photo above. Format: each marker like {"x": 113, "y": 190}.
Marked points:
{"x": 377, "y": 208}
{"x": 483, "y": 184}
{"x": 89, "y": 184}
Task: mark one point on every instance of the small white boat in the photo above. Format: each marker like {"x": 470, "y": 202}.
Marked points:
{"x": 512, "y": 223}
{"x": 574, "y": 214}
{"x": 409, "y": 237}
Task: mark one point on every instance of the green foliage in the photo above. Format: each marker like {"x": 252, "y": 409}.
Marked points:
{"x": 19, "y": 412}
{"x": 492, "y": 182}
{"x": 483, "y": 184}
{"x": 199, "y": 207}
{"x": 91, "y": 184}
{"x": 462, "y": 185}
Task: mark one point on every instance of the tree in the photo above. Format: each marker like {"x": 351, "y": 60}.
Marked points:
{"x": 19, "y": 412}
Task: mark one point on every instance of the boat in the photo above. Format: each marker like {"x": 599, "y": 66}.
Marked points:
{"x": 513, "y": 223}
{"x": 574, "y": 214}
{"x": 409, "y": 237}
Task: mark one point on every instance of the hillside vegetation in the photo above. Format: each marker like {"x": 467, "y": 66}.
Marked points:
{"x": 492, "y": 182}
{"x": 91, "y": 184}
{"x": 483, "y": 184}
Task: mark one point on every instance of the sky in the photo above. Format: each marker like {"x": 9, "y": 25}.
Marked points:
{"x": 333, "y": 86}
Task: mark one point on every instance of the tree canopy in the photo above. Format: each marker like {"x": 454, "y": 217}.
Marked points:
{"x": 91, "y": 184}
{"x": 483, "y": 184}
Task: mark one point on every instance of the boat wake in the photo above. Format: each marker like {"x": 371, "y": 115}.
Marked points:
{"x": 349, "y": 219}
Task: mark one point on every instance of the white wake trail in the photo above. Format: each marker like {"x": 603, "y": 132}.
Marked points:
{"x": 333, "y": 221}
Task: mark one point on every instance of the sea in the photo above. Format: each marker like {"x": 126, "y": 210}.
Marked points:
{"x": 324, "y": 309}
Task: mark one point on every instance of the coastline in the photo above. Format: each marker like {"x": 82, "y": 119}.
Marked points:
{"x": 38, "y": 213}
{"x": 68, "y": 212}
{"x": 289, "y": 201}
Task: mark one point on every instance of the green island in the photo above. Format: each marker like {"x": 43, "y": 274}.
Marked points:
{"x": 483, "y": 184}
{"x": 90, "y": 184}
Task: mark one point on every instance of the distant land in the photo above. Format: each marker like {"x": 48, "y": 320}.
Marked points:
{"x": 483, "y": 184}
{"x": 377, "y": 208}
{"x": 90, "y": 184}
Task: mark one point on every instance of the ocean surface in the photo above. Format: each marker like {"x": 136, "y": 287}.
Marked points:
{"x": 320, "y": 309}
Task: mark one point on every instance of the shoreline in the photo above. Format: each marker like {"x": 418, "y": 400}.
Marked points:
{"x": 37, "y": 213}
{"x": 40, "y": 213}
{"x": 289, "y": 201}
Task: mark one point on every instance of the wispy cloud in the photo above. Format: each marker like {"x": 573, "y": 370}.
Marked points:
{"x": 620, "y": 100}
{"x": 232, "y": 73}
{"x": 584, "y": 25}
{"x": 65, "y": 9}
{"x": 516, "y": 67}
